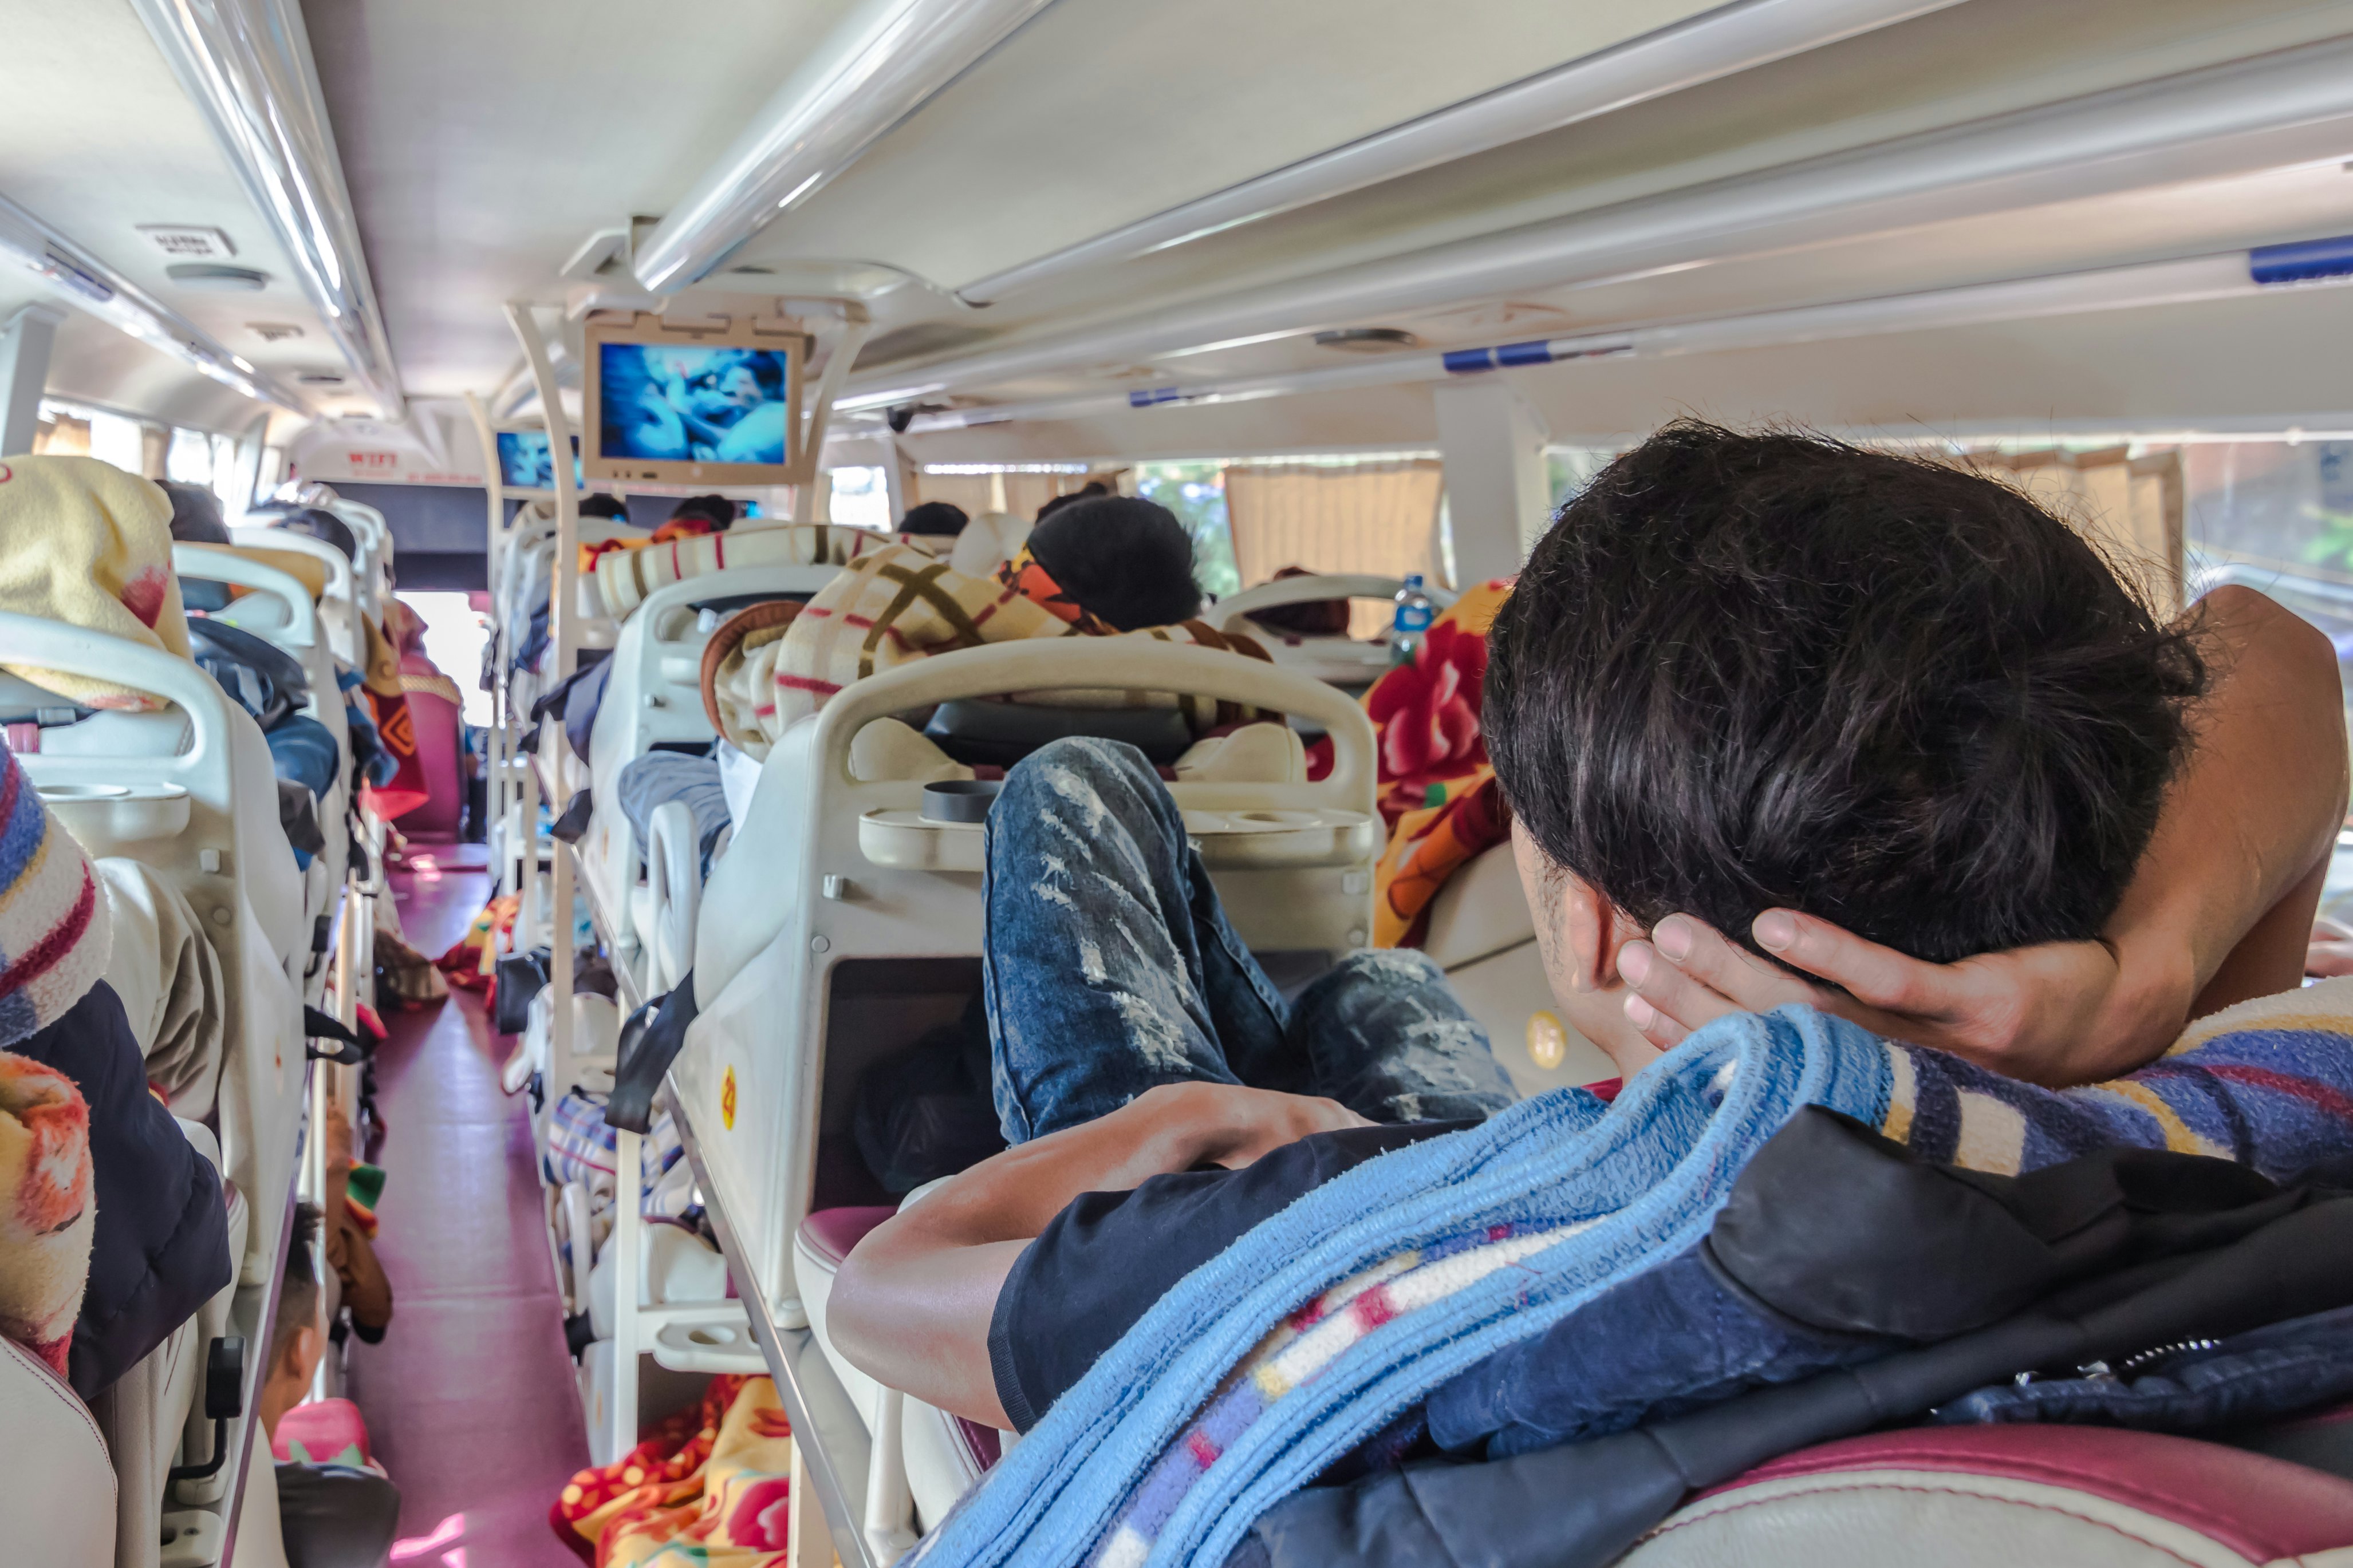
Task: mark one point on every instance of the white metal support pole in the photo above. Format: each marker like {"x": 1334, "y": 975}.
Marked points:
{"x": 250, "y": 448}
{"x": 1496, "y": 491}
{"x": 807, "y": 504}
{"x": 494, "y": 757}
{"x": 894, "y": 477}
{"x": 629, "y": 1233}
{"x": 564, "y": 643}
{"x": 24, "y": 345}
{"x": 808, "y": 1542}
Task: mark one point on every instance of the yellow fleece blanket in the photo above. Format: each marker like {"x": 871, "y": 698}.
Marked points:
{"x": 90, "y": 545}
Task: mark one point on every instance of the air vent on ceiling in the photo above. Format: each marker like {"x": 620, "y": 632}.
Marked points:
{"x": 212, "y": 277}
{"x": 320, "y": 378}
{"x": 189, "y": 242}
{"x": 273, "y": 332}
{"x": 1366, "y": 340}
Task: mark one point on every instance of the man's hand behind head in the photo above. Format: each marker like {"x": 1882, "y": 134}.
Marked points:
{"x": 2032, "y": 1013}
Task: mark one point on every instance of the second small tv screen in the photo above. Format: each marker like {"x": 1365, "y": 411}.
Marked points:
{"x": 673, "y": 402}
{"x": 526, "y": 463}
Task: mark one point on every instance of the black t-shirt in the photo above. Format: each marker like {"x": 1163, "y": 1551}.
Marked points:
{"x": 1101, "y": 1264}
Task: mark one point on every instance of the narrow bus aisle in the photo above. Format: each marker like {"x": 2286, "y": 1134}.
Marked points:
{"x": 469, "y": 1399}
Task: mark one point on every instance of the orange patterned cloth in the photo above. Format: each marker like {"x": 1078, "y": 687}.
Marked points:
{"x": 1026, "y": 577}
{"x": 388, "y": 702}
{"x": 472, "y": 960}
{"x": 47, "y": 1218}
{"x": 709, "y": 1489}
{"x": 1437, "y": 792}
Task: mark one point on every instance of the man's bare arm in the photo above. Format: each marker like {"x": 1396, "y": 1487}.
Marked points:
{"x": 912, "y": 1305}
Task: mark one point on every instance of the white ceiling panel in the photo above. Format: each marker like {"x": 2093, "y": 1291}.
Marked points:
{"x": 92, "y": 362}
{"x": 95, "y": 139}
{"x": 482, "y": 142}
{"x": 1951, "y": 68}
{"x": 1099, "y": 113}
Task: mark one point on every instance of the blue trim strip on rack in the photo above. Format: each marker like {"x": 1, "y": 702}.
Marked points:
{"x": 1468, "y": 362}
{"x": 2302, "y": 259}
{"x": 1537, "y": 352}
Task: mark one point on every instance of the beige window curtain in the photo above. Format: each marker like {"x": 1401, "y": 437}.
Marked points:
{"x": 969, "y": 491}
{"x": 2131, "y": 506}
{"x": 63, "y": 436}
{"x": 1362, "y": 517}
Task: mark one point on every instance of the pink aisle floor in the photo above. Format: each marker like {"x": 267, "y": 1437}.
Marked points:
{"x": 470, "y": 1400}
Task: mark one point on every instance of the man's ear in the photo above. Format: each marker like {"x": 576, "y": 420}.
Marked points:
{"x": 1579, "y": 930}
{"x": 304, "y": 1346}
{"x": 1594, "y": 931}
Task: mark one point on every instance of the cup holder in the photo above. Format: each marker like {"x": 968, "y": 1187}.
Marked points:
{"x": 960, "y": 800}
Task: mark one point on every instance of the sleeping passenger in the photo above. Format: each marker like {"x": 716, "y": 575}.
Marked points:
{"x": 934, "y": 519}
{"x": 1757, "y": 683}
{"x": 1105, "y": 566}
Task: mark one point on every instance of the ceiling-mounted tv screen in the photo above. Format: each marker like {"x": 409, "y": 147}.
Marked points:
{"x": 676, "y": 405}
{"x": 527, "y": 462}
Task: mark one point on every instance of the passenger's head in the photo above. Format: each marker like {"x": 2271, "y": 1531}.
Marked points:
{"x": 604, "y": 505}
{"x": 934, "y": 520}
{"x": 1128, "y": 562}
{"x": 195, "y": 514}
{"x": 1744, "y": 672}
{"x": 716, "y": 510}
{"x": 1087, "y": 491}
{"x": 1304, "y": 618}
{"x": 301, "y": 1338}
{"x": 323, "y": 525}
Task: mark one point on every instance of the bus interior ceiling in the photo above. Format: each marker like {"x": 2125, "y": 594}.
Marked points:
{"x": 1463, "y": 252}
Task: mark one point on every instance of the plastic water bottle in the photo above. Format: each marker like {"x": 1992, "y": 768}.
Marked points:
{"x": 1410, "y": 623}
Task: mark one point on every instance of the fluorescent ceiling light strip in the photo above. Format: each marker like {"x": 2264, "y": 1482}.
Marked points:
{"x": 246, "y": 66}
{"x": 92, "y": 286}
{"x": 884, "y": 61}
{"x": 1699, "y": 49}
{"x": 2315, "y": 263}
{"x": 2275, "y": 109}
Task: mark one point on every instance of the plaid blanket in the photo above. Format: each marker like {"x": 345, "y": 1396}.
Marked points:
{"x": 899, "y": 604}
{"x": 626, "y": 576}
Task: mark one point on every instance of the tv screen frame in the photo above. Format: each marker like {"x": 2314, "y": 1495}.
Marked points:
{"x": 650, "y": 331}
{"x": 499, "y": 444}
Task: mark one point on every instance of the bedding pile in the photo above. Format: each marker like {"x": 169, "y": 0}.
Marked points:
{"x": 1374, "y": 1293}
{"x": 709, "y": 1489}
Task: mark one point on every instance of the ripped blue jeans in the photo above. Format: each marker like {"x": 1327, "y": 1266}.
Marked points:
{"x": 1108, "y": 967}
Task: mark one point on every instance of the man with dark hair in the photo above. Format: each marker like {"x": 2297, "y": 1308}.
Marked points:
{"x": 1740, "y": 675}
{"x": 934, "y": 520}
{"x": 335, "y": 1510}
{"x": 1129, "y": 561}
{"x": 195, "y": 514}
{"x": 605, "y": 504}
{"x": 1088, "y": 491}
{"x": 716, "y": 511}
